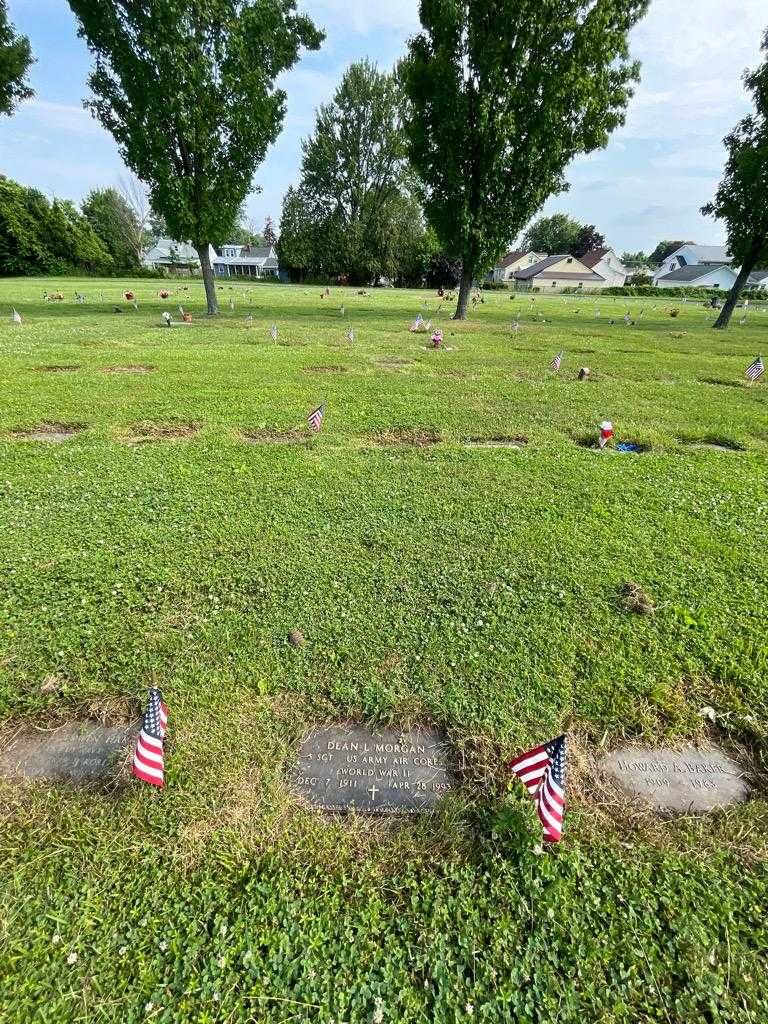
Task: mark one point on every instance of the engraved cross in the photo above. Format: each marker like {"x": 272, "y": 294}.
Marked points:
{"x": 373, "y": 791}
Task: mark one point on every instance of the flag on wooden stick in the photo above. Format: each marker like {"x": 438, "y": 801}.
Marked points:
{"x": 756, "y": 369}
{"x": 315, "y": 418}
{"x": 542, "y": 772}
{"x": 350, "y": 335}
{"x": 16, "y": 317}
{"x": 273, "y": 332}
{"x": 557, "y": 361}
{"x": 149, "y": 758}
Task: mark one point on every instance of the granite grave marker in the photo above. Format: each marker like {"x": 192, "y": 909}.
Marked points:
{"x": 683, "y": 781}
{"x": 342, "y": 768}
{"x": 77, "y": 752}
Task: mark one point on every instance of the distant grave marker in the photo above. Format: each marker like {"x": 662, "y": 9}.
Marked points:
{"x": 75, "y": 752}
{"x": 343, "y": 768}
{"x": 683, "y": 781}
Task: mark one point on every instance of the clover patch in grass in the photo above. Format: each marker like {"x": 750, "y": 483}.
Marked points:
{"x": 149, "y": 431}
{"x": 270, "y": 436}
{"x": 421, "y": 437}
{"x": 496, "y": 441}
{"x": 51, "y": 433}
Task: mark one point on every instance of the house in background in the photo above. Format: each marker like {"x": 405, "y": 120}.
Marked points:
{"x": 690, "y": 255}
{"x": 758, "y": 279}
{"x": 607, "y": 264}
{"x": 518, "y": 259}
{"x": 246, "y": 261}
{"x": 555, "y": 273}
{"x": 174, "y": 257}
{"x": 700, "y": 275}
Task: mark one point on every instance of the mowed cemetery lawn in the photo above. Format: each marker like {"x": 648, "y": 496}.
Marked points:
{"x": 173, "y": 539}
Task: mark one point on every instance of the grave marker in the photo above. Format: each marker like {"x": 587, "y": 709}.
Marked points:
{"x": 343, "y": 767}
{"x": 683, "y": 781}
{"x": 75, "y": 752}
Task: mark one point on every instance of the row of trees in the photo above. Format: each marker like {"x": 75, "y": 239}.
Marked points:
{"x": 499, "y": 98}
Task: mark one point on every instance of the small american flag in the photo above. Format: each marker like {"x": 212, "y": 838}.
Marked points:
{"x": 315, "y": 418}
{"x": 555, "y": 364}
{"x": 542, "y": 772}
{"x": 350, "y": 335}
{"x": 416, "y": 325}
{"x": 273, "y": 332}
{"x": 149, "y": 760}
{"x": 16, "y": 317}
{"x": 756, "y": 368}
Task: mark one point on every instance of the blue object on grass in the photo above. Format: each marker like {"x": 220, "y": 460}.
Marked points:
{"x": 628, "y": 446}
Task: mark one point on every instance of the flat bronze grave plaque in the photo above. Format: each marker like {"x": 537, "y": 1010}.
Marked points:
{"x": 682, "y": 781}
{"x": 343, "y": 768}
{"x": 75, "y": 752}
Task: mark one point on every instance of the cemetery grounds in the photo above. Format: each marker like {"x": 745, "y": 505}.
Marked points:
{"x": 190, "y": 523}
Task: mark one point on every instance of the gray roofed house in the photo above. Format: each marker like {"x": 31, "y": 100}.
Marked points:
{"x": 706, "y": 275}
{"x": 246, "y": 261}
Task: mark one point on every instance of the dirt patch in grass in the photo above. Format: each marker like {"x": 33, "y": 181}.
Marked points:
{"x": 421, "y": 437}
{"x": 634, "y": 599}
{"x": 713, "y": 443}
{"x": 147, "y": 430}
{"x": 721, "y": 382}
{"x": 53, "y": 433}
{"x": 129, "y": 369}
{"x": 590, "y": 442}
{"x": 269, "y": 436}
{"x": 324, "y": 369}
{"x": 495, "y": 442}
{"x": 64, "y": 368}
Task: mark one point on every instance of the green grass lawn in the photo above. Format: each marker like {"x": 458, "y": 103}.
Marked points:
{"x": 474, "y": 588}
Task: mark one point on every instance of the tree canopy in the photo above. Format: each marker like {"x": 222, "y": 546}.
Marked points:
{"x": 116, "y": 225}
{"x": 187, "y": 89}
{"x": 588, "y": 238}
{"x": 40, "y": 237}
{"x": 552, "y": 235}
{"x": 15, "y": 61}
{"x": 503, "y": 96}
{"x": 353, "y": 213}
{"x": 740, "y": 200}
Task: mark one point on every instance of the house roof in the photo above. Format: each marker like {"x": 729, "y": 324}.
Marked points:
{"x": 705, "y": 253}
{"x": 593, "y": 257}
{"x": 161, "y": 250}
{"x": 693, "y": 272}
{"x": 540, "y": 270}
{"x": 511, "y": 257}
{"x": 759, "y": 275}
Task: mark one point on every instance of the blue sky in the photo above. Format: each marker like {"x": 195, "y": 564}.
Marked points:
{"x": 648, "y": 184}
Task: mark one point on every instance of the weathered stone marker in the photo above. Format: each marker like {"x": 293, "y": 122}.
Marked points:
{"x": 341, "y": 768}
{"x": 683, "y": 781}
{"x": 76, "y": 751}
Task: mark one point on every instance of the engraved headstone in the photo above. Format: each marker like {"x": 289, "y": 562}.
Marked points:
{"x": 75, "y": 751}
{"x": 342, "y": 768}
{"x": 683, "y": 781}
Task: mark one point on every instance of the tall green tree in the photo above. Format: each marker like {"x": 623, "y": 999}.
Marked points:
{"x": 354, "y": 172}
{"x": 504, "y": 94}
{"x": 15, "y": 61}
{"x": 187, "y": 89}
{"x": 552, "y": 235}
{"x": 116, "y": 225}
{"x": 269, "y": 236}
{"x": 588, "y": 238}
{"x": 741, "y": 200}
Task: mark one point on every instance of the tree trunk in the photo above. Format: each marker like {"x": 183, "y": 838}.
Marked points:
{"x": 208, "y": 279}
{"x": 738, "y": 285}
{"x": 465, "y": 287}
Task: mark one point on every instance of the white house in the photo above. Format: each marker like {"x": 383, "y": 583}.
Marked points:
{"x": 180, "y": 257}
{"x": 516, "y": 260}
{"x": 758, "y": 279}
{"x": 699, "y": 276}
{"x": 690, "y": 255}
{"x": 246, "y": 261}
{"x": 607, "y": 264}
